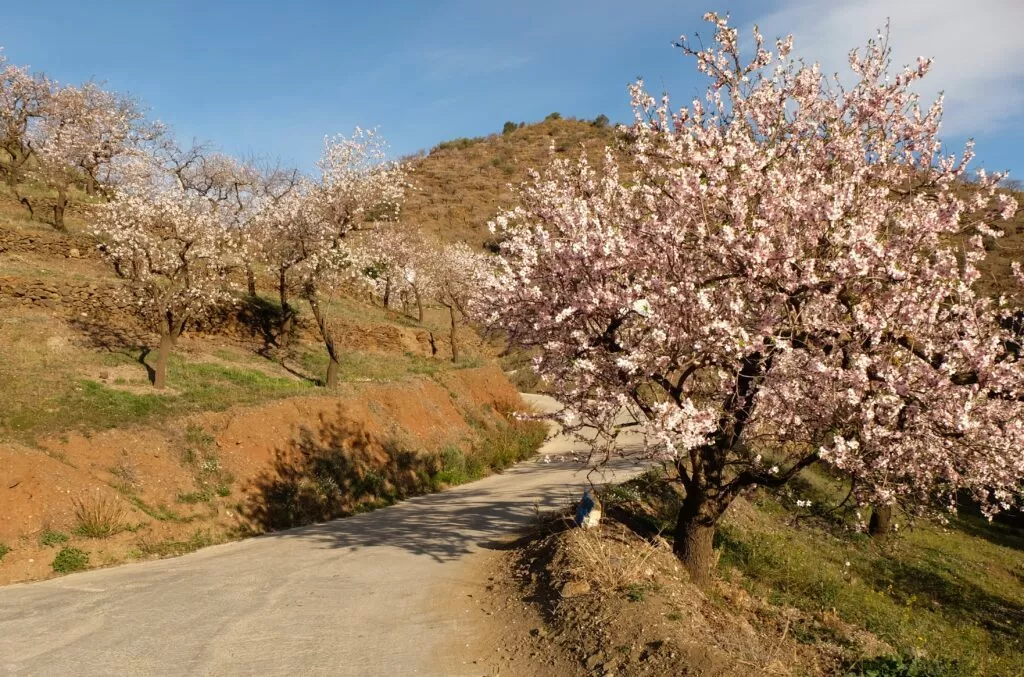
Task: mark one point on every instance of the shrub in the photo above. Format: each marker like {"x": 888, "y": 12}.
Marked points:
{"x": 69, "y": 560}
{"x": 903, "y": 666}
{"x": 509, "y": 127}
{"x": 601, "y": 120}
{"x": 51, "y": 538}
{"x": 99, "y": 517}
{"x": 4, "y": 549}
{"x": 554, "y": 116}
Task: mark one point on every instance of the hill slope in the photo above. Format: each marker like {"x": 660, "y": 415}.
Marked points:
{"x": 461, "y": 184}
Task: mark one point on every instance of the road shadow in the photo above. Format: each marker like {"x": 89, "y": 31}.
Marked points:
{"x": 336, "y": 470}
{"x": 339, "y": 469}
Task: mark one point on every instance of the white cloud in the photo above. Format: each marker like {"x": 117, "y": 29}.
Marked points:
{"x": 977, "y": 47}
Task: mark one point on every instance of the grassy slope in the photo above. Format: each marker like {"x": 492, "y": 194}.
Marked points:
{"x": 949, "y": 599}
{"x": 61, "y": 373}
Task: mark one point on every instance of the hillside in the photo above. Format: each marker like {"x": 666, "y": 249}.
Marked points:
{"x": 97, "y": 467}
{"x": 461, "y": 184}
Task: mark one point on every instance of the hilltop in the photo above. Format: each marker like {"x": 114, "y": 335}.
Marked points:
{"x": 461, "y": 184}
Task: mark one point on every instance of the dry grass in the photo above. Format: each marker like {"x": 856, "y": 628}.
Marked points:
{"x": 461, "y": 185}
{"x": 599, "y": 556}
{"x": 99, "y": 516}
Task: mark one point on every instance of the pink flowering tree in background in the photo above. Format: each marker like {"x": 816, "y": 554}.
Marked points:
{"x": 23, "y": 96}
{"x": 78, "y": 135}
{"x": 397, "y": 264}
{"x": 168, "y": 243}
{"x": 458, "y": 275}
{"x": 307, "y": 231}
{"x": 778, "y": 275}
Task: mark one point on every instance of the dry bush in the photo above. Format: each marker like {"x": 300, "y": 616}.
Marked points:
{"x": 98, "y": 516}
{"x": 608, "y": 558}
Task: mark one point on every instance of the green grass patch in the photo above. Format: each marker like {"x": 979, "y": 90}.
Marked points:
{"x": 51, "y": 538}
{"x": 4, "y": 549}
{"x": 950, "y": 600}
{"x": 160, "y": 513}
{"x": 75, "y": 403}
{"x": 173, "y": 547}
{"x": 69, "y": 560}
{"x": 194, "y": 497}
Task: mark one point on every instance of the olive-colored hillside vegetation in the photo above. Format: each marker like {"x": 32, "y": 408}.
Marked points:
{"x": 461, "y": 184}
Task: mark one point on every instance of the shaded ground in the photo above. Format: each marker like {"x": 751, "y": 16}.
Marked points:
{"x": 367, "y": 595}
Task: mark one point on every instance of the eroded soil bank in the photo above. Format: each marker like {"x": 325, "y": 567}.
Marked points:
{"x": 163, "y": 490}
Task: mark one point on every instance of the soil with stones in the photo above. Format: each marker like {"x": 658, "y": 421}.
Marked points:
{"x": 608, "y": 602}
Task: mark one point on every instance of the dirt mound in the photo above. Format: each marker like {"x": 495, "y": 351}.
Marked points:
{"x": 610, "y": 602}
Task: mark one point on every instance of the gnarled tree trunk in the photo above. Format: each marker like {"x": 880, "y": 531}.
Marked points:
{"x": 452, "y": 335}
{"x": 250, "y": 279}
{"x": 325, "y": 333}
{"x": 695, "y": 534}
{"x": 881, "y": 520}
{"x": 287, "y": 312}
{"x": 59, "y": 207}
{"x": 167, "y": 341}
{"x": 419, "y": 304}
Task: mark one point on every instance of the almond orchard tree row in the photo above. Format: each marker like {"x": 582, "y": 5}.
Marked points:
{"x": 63, "y": 136}
{"x": 304, "y": 236}
{"x": 784, "y": 276}
{"x": 402, "y": 264}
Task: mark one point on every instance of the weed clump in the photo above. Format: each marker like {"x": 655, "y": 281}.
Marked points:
{"x": 50, "y": 538}
{"x": 69, "y": 560}
{"x": 99, "y": 517}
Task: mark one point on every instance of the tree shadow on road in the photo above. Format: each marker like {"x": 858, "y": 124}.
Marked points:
{"x": 342, "y": 469}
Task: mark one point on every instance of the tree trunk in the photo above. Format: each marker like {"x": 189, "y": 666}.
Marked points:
{"x": 90, "y": 183}
{"x": 160, "y": 367}
{"x": 58, "y": 209}
{"x": 454, "y": 341}
{"x": 387, "y": 293}
{"x": 419, "y": 305}
{"x": 881, "y": 520}
{"x": 287, "y": 314}
{"x": 328, "y": 337}
{"x": 694, "y": 537}
{"x": 250, "y": 279}
{"x": 332, "y": 371}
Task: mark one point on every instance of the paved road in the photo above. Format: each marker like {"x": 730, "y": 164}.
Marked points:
{"x": 359, "y": 596}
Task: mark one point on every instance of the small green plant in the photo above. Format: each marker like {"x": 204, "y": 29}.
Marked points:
{"x": 509, "y": 127}
{"x": 50, "y": 538}
{"x": 554, "y": 116}
{"x": 173, "y": 548}
{"x": 601, "y": 121}
{"x": 4, "y": 549}
{"x": 98, "y": 517}
{"x": 70, "y": 559}
{"x": 160, "y": 513}
{"x": 194, "y": 497}
{"x": 635, "y": 592}
{"x": 903, "y": 666}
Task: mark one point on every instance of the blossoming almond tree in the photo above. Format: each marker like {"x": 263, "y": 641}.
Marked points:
{"x": 168, "y": 244}
{"x": 458, "y": 276}
{"x": 398, "y": 265}
{"x": 783, "y": 277}
{"x": 22, "y": 99}
{"x": 80, "y": 131}
{"x": 306, "y": 230}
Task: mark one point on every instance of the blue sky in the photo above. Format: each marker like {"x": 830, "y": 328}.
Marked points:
{"x": 272, "y": 78}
